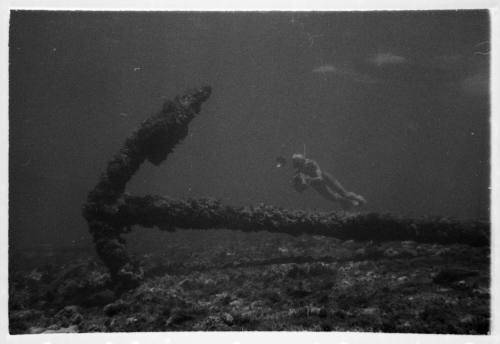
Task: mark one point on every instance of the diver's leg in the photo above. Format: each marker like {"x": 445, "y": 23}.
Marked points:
{"x": 330, "y": 195}
{"x": 334, "y": 184}
{"x": 357, "y": 197}
{"x": 347, "y": 203}
{"x": 326, "y": 192}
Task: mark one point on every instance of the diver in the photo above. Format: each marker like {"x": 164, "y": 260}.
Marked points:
{"x": 308, "y": 173}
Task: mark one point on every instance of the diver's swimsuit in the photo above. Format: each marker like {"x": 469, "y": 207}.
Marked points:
{"x": 311, "y": 169}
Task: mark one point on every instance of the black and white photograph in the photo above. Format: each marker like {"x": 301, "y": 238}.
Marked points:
{"x": 284, "y": 171}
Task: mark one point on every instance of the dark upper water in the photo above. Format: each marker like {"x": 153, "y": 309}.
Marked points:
{"x": 395, "y": 105}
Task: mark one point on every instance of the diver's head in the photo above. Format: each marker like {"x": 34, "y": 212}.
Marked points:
{"x": 298, "y": 160}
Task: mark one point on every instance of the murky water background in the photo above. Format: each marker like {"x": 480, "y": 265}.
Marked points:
{"x": 395, "y": 105}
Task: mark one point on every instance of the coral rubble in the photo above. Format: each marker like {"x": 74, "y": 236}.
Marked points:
{"x": 226, "y": 280}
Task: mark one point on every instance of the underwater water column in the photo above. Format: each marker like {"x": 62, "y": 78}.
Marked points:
{"x": 152, "y": 141}
{"x": 110, "y": 212}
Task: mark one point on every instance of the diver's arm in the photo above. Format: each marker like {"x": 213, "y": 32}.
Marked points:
{"x": 299, "y": 182}
{"x": 312, "y": 180}
{"x": 298, "y": 173}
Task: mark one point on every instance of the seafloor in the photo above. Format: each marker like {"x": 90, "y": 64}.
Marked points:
{"x": 217, "y": 280}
